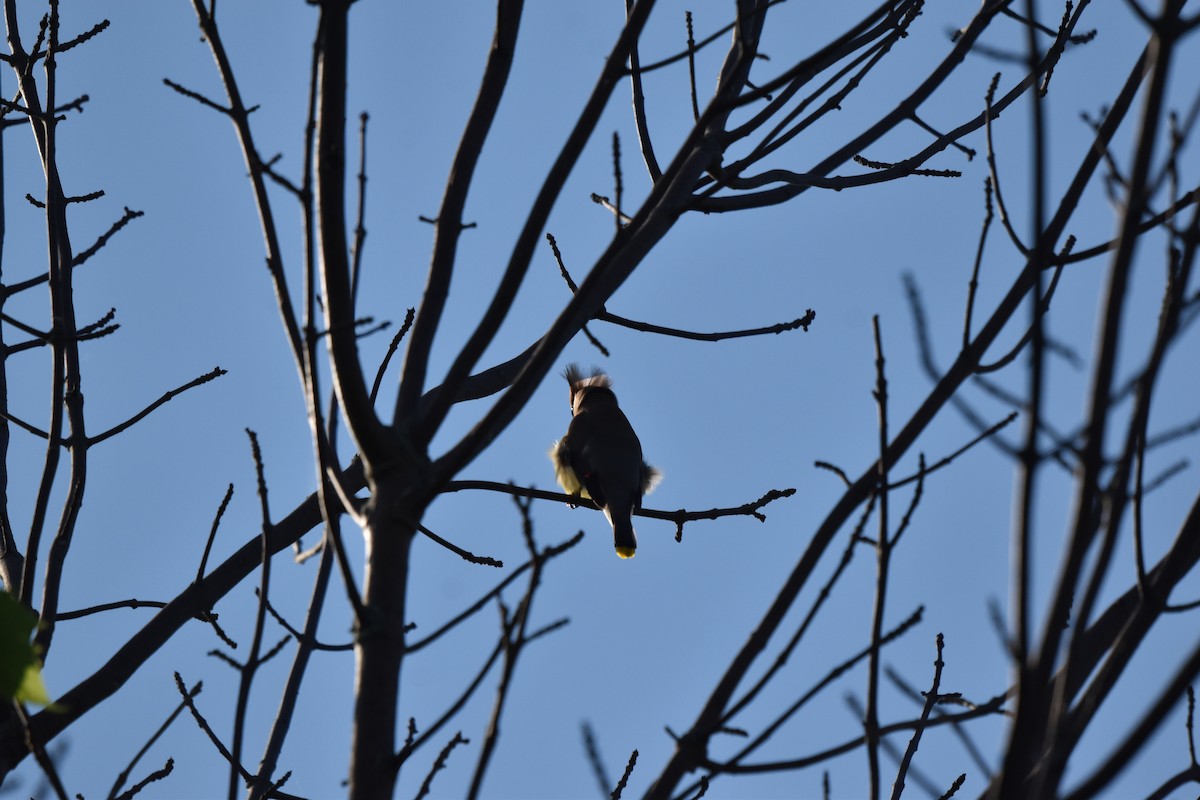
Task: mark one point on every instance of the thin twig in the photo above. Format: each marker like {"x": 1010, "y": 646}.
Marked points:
{"x": 618, "y": 186}
{"x": 303, "y": 638}
{"x": 156, "y": 775}
{"x": 440, "y": 763}
{"x": 199, "y": 98}
{"x": 678, "y": 517}
{"x": 691, "y": 59}
{"x": 125, "y": 219}
{"x": 995, "y": 706}
{"x": 391, "y": 351}
{"x": 412, "y": 745}
{"x": 824, "y": 683}
{"x": 960, "y": 731}
{"x": 639, "y": 115}
{"x": 166, "y": 398}
{"x": 154, "y": 737}
{"x": 545, "y": 555}
{"x": 822, "y": 597}
{"x": 204, "y": 726}
{"x": 647, "y": 327}
{"x": 96, "y": 609}
{"x": 212, "y": 533}
{"x": 931, "y": 699}
{"x": 883, "y": 549}
{"x": 486, "y": 561}
{"x": 514, "y": 636}
{"x": 620, "y": 787}
{"x": 592, "y": 750}
{"x": 920, "y": 473}
{"x": 360, "y": 230}
{"x": 39, "y": 752}
{"x": 836, "y": 470}
{"x": 253, "y": 658}
{"x": 916, "y": 500}
{"x": 973, "y": 284}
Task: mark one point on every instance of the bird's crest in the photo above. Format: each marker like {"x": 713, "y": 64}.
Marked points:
{"x": 575, "y": 377}
{"x": 580, "y": 383}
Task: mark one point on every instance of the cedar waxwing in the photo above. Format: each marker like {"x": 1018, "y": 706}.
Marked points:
{"x": 600, "y": 458}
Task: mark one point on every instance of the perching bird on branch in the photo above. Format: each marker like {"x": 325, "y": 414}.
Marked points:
{"x": 600, "y": 458}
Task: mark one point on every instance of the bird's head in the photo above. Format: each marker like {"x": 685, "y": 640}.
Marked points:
{"x": 590, "y": 387}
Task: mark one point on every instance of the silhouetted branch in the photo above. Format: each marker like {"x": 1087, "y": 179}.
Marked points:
{"x": 991, "y": 707}
{"x": 1133, "y": 742}
{"x": 883, "y": 554}
{"x": 620, "y": 787}
{"x": 514, "y": 635}
{"x": 960, "y": 731}
{"x": 486, "y": 561}
{"x": 592, "y": 751}
{"x": 95, "y": 30}
{"x": 836, "y": 470}
{"x": 391, "y": 351}
{"x": 999, "y": 426}
{"x": 412, "y": 745}
{"x": 973, "y": 285}
{"x": 125, "y": 219}
{"x": 823, "y": 596}
{"x": 304, "y": 638}
{"x": 20, "y": 423}
{"x": 931, "y": 698}
{"x": 157, "y": 775}
{"x": 618, "y": 187}
{"x": 212, "y": 533}
{"x": 821, "y": 685}
{"x": 204, "y": 726}
{"x": 646, "y": 327}
{"x": 546, "y": 554}
{"x": 39, "y": 753}
{"x": 166, "y": 398}
{"x": 679, "y": 517}
{"x": 440, "y": 763}
{"x": 639, "y": 120}
{"x": 96, "y": 609}
{"x": 199, "y": 98}
{"x": 994, "y": 172}
{"x": 123, "y": 777}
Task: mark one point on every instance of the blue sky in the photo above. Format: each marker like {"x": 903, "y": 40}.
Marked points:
{"x": 726, "y": 422}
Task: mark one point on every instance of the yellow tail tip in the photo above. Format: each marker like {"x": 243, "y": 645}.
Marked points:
{"x": 626, "y": 552}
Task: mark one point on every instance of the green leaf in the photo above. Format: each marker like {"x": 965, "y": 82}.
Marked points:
{"x": 32, "y": 688}
{"x": 20, "y": 667}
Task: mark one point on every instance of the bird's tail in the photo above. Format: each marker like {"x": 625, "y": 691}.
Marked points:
{"x": 624, "y": 537}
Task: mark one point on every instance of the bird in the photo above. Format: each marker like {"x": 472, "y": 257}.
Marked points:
{"x": 600, "y": 458}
